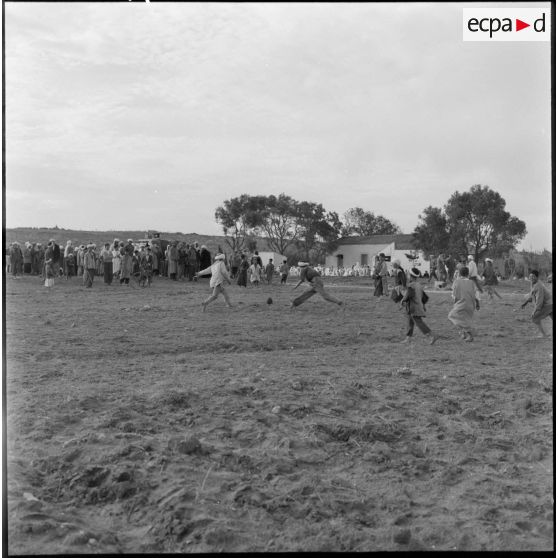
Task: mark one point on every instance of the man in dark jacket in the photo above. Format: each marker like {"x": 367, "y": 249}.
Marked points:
{"x": 309, "y": 274}
{"x": 205, "y": 258}
{"x": 56, "y": 260}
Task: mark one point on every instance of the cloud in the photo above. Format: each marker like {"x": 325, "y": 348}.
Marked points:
{"x": 381, "y": 106}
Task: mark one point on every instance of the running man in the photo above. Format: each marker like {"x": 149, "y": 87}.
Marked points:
{"x": 309, "y": 274}
{"x": 219, "y": 276}
{"x": 542, "y": 299}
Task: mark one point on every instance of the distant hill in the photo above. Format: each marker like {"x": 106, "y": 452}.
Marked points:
{"x": 43, "y": 235}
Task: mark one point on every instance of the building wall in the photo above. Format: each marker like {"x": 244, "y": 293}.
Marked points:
{"x": 352, "y": 255}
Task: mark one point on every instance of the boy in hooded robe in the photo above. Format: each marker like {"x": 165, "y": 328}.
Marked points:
{"x": 412, "y": 301}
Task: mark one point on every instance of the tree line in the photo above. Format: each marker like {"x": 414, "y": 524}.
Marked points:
{"x": 473, "y": 222}
{"x": 289, "y": 226}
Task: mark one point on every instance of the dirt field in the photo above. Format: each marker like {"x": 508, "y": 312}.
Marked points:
{"x": 137, "y": 423}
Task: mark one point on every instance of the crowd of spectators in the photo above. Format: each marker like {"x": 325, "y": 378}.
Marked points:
{"x": 179, "y": 261}
{"x": 120, "y": 261}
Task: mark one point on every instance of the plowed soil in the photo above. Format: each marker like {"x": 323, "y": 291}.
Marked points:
{"x": 138, "y": 423}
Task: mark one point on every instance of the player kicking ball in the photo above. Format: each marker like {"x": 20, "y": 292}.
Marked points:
{"x": 310, "y": 275}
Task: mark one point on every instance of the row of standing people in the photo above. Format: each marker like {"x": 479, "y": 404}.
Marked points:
{"x": 253, "y": 271}
{"x": 123, "y": 261}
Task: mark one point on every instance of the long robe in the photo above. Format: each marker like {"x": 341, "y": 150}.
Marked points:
{"x": 173, "y": 260}
{"x": 242, "y": 279}
{"x": 116, "y": 261}
{"x": 463, "y": 293}
{"x": 126, "y": 264}
{"x": 49, "y": 264}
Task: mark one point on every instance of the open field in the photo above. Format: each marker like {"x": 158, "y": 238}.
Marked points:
{"x": 137, "y": 423}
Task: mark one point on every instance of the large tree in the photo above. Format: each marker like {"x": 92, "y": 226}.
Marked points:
{"x": 278, "y": 221}
{"x": 359, "y": 222}
{"x": 480, "y": 218}
{"x": 473, "y": 222}
{"x": 284, "y": 222}
{"x": 238, "y": 218}
{"x": 432, "y": 233}
{"x": 317, "y": 228}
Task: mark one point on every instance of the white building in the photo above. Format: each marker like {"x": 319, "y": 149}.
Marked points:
{"x": 362, "y": 250}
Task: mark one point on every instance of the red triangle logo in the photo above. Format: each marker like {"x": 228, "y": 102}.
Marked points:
{"x": 519, "y": 25}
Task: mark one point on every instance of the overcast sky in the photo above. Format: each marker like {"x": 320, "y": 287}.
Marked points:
{"x": 148, "y": 116}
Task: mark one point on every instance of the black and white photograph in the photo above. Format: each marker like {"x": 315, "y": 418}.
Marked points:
{"x": 278, "y": 277}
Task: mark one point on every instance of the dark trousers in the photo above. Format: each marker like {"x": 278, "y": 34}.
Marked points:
{"x": 316, "y": 287}
{"x": 190, "y": 271}
{"x": 242, "y": 278}
{"x": 412, "y": 320}
{"x": 107, "y": 273}
{"x": 378, "y": 286}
